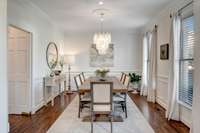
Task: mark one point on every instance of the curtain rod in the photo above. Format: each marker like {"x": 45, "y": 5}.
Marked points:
{"x": 183, "y": 7}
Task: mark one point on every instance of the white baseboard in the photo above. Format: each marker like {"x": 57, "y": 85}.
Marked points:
{"x": 40, "y": 105}
{"x": 160, "y": 101}
{"x": 8, "y": 127}
{"x": 37, "y": 107}
{"x": 185, "y": 121}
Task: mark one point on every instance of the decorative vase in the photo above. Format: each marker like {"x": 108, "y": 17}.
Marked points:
{"x": 135, "y": 85}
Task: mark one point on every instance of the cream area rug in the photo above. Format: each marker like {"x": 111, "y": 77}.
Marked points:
{"x": 68, "y": 122}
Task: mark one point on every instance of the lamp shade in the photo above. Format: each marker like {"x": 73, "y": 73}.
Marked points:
{"x": 69, "y": 59}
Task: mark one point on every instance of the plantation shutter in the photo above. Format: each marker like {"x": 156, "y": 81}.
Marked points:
{"x": 186, "y": 61}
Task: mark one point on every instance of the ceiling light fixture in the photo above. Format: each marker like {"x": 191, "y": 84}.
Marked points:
{"x": 101, "y": 3}
{"x": 102, "y": 39}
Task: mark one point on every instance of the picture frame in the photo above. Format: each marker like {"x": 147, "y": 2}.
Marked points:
{"x": 164, "y": 52}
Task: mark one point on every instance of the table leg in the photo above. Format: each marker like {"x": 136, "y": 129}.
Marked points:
{"x": 65, "y": 85}
{"x": 44, "y": 92}
{"x": 60, "y": 88}
{"x": 52, "y": 96}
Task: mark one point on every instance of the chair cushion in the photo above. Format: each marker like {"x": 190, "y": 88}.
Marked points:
{"x": 102, "y": 108}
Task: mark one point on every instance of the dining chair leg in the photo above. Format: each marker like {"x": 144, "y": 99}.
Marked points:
{"x": 81, "y": 107}
{"x": 125, "y": 110}
{"x": 79, "y": 111}
{"x": 91, "y": 123}
{"x": 125, "y": 105}
{"x": 111, "y": 125}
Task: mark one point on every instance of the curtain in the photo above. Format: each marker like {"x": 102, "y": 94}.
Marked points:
{"x": 173, "y": 106}
{"x": 144, "y": 85}
{"x": 152, "y": 67}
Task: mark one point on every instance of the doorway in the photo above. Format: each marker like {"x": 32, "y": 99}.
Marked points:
{"x": 19, "y": 70}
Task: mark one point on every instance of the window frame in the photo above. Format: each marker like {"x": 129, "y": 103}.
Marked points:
{"x": 181, "y": 59}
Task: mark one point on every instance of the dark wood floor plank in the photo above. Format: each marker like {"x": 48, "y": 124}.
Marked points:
{"x": 45, "y": 117}
{"x": 155, "y": 115}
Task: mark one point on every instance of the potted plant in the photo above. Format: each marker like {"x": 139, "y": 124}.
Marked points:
{"x": 101, "y": 73}
{"x": 135, "y": 80}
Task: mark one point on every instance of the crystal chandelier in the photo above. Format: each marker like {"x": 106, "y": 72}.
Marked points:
{"x": 102, "y": 39}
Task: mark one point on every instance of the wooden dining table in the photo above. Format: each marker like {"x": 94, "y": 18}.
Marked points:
{"x": 118, "y": 87}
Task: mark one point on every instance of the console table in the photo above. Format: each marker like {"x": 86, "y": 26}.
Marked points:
{"x": 52, "y": 83}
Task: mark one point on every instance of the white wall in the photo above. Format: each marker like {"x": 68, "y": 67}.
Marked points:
{"x": 27, "y": 16}
{"x": 3, "y": 68}
{"x": 164, "y": 24}
{"x": 196, "y": 100}
{"x": 127, "y": 50}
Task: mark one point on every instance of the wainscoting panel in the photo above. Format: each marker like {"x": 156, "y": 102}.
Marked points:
{"x": 162, "y": 98}
{"x": 162, "y": 90}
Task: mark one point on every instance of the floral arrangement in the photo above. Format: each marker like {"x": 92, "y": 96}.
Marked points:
{"x": 102, "y": 72}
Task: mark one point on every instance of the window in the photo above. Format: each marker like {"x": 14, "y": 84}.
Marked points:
{"x": 186, "y": 61}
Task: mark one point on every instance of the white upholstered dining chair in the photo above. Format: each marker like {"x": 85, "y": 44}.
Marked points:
{"x": 101, "y": 100}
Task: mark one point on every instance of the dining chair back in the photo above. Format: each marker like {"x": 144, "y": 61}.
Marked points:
{"x": 126, "y": 80}
{"x": 78, "y": 82}
{"x": 122, "y": 79}
{"x": 82, "y": 75}
{"x": 102, "y": 100}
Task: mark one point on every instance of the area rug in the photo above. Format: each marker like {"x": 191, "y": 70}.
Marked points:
{"x": 68, "y": 122}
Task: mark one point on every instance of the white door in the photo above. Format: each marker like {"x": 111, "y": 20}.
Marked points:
{"x": 19, "y": 72}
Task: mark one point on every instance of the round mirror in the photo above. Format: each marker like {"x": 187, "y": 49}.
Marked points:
{"x": 52, "y": 55}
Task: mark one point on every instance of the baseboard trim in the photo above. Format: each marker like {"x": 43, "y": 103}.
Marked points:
{"x": 185, "y": 121}
{"x": 37, "y": 107}
{"x": 8, "y": 127}
{"x": 161, "y": 102}
{"x": 40, "y": 105}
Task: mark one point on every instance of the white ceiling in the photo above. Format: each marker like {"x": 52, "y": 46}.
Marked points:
{"x": 76, "y": 15}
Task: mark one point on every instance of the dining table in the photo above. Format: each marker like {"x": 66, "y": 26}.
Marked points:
{"x": 118, "y": 87}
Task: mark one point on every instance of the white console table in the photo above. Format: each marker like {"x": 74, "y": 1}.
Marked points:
{"x": 52, "y": 83}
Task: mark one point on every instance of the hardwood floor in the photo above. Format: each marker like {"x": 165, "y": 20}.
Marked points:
{"x": 42, "y": 120}
{"x": 155, "y": 115}
{"x": 45, "y": 117}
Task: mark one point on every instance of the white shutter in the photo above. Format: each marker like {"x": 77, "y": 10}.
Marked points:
{"x": 186, "y": 61}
